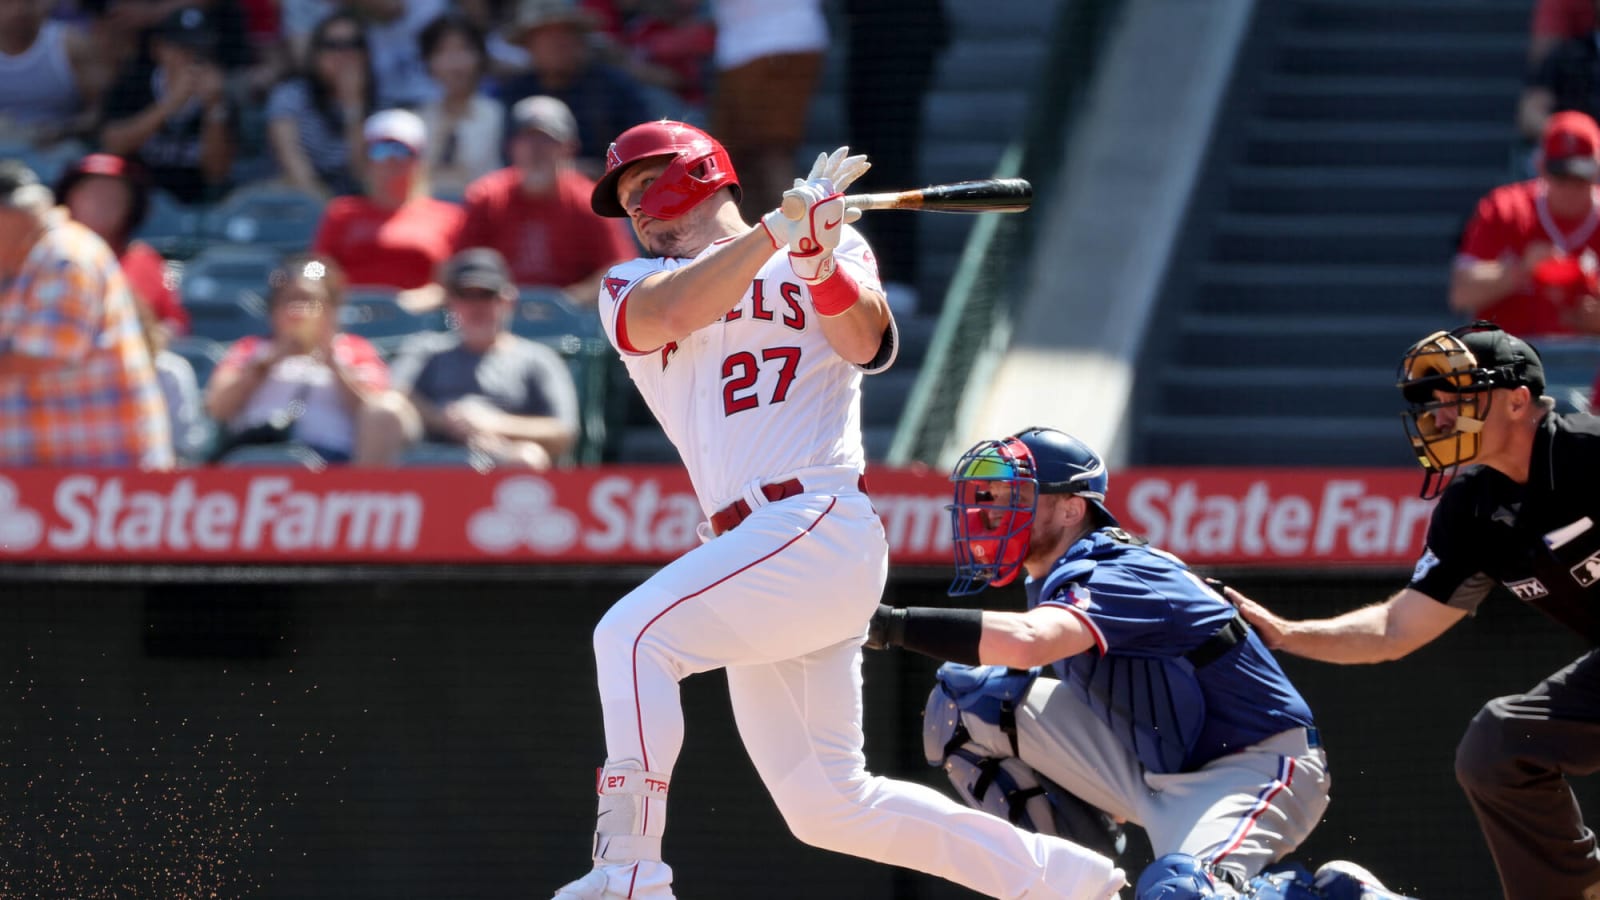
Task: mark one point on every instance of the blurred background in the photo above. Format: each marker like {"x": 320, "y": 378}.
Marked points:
{"x": 1244, "y": 213}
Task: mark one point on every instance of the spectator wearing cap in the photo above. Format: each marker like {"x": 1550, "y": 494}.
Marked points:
{"x": 315, "y": 119}
{"x": 483, "y": 388}
{"x": 176, "y": 118}
{"x": 110, "y": 195}
{"x": 465, "y": 127}
{"x": 77, "y": 383}
{"x": 1518, "y": 226}
{"x": 604, "y": 100}
{"x": 50, "y": 77}
{"x": 394, "y": 235}
{"x": 536, "y": 211}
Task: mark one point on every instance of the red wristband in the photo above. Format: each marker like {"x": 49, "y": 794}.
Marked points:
{"x": 833, "y": 295}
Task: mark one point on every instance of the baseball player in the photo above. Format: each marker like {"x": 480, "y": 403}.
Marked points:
{"x": 1526, "y": 516}
{"x": 749, "y": 345}
{"x": 1166, "y": 710}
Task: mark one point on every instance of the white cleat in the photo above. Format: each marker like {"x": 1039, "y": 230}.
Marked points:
{"x": 590, "y": 887}
{"x": 1341, "y": 879}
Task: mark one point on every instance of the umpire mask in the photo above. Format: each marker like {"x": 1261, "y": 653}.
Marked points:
{"x": 1458, "y": 371}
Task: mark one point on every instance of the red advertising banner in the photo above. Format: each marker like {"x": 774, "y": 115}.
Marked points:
{"x": 646, "y": 514}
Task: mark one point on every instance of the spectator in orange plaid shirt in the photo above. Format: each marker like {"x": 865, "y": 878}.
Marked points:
{"x": 77, "y": 385}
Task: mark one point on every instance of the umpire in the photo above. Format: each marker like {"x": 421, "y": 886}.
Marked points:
{"x": 1526, "y": 515}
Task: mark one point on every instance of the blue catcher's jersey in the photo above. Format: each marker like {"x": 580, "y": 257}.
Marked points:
{"x": 1146, "y": 611}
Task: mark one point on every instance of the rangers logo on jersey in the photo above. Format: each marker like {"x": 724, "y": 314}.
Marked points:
{"x": 1078, "y": 595}
{"x": 1528, "y": 589}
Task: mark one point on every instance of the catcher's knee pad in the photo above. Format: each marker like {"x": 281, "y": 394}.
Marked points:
{"x": 1004, "y": 785}
{"x": 1177, "y": 876}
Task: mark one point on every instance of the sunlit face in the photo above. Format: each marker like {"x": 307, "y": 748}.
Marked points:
{"x": 680, "y": 237}
{"x": 302, "y": 312}
{"x": 480, "y": 315}
{"x": 557, "y": 49}
{"x": 455, "y": 63}
{"x": 538, "y": 156}
{"x": 392, "y": 169}
{"x": 340, "y": 46}
{"x": 101, "y": 203}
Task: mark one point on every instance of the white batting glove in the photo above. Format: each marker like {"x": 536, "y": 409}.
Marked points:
{"x": 832, "y": 173}
{"x": 791, "y": 226}
{"x": 813, "y": 239}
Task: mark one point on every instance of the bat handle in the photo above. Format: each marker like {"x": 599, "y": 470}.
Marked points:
{"x": 794, "y": 206}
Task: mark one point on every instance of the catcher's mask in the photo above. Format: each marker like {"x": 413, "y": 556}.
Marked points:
{"x": 1458, "y": 371}
{"x": 699, "y": 168}
{"x": 997, "y": 488}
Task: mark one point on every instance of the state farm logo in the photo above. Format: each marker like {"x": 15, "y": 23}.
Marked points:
{"x": 20, "y": 527}
{"x": 524, "y": 514}
{"x": 267, "y": 514}
{"x": 1336, "y": 518}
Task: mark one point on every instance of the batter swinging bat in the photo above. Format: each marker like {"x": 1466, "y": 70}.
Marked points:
{"x": 984, "y": 195}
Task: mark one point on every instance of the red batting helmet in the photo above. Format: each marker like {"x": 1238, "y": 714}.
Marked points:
{"x": 700, "y": 169}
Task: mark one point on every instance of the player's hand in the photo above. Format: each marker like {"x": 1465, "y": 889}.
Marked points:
{"x": 838, "y": 169}
{"x": 886, "y": 628}
{"x": 1269, "y": 626}
{"x": 813, "y": 239}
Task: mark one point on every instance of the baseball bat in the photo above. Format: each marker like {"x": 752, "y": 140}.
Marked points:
{"x": 980, "y": 196}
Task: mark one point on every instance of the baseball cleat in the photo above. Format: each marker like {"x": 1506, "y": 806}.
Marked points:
{"x": 1341, "y": 879}
{"x": 590, "y": 887}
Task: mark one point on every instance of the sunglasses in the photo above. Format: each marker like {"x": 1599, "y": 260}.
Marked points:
{"x": 387, "y": 150}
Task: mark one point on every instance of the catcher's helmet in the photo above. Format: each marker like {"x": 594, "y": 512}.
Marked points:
{"x": 1457, "y": 370}
{"x": 991, "y": 524}
{"x": 701, "y": 167}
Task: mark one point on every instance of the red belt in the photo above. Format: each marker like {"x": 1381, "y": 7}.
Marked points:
{"x": 727, "y": 518}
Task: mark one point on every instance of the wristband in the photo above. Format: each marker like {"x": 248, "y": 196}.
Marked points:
{"x": 948, "y": 634}
{"x": 835, "y": 294}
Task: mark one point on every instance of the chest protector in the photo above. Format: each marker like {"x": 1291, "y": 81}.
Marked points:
{"x": 1153, "y": 704}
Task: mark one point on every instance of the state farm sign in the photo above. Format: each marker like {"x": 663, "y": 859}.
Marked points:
{"x": 1230, "y": 516}
{"x": 641, "y": 514}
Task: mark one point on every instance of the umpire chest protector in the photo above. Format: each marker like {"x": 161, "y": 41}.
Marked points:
{"x": 1541, "y": 540}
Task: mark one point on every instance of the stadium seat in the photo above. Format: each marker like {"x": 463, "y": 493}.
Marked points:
{"x": 545, "y": 312}
{"x": 269, "y": 215}
{"x": 170, "y": 227}
{"x": 373, "y": 313}
{"x": 276, "y": 456}
{"x": 222, "y": 272}
{"x": 202, "y": 353}
{"x": 243, "y": 313}
{"x": 431, "y": 454}
{"x": 1570, "y": 366}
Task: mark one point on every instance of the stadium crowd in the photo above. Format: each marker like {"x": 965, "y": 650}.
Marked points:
{"x": 269, "y": 203}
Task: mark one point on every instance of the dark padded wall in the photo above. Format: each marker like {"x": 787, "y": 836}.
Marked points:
{"x": 435, "y": 737}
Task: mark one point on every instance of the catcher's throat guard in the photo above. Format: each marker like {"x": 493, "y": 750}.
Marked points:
{"x": 1440, "y": 373}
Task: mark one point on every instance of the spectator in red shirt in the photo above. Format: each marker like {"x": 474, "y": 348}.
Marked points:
{"x": 395, "y": 235}
{"x": 1517, "y": 226}
{"x": 110, "y": 196}
{"x": 536, "y": 211}
{"x": 1556, "y": 21}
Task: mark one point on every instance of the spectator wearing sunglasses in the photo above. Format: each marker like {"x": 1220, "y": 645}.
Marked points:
{"x": 394, "y": 235}
{"x": 315, "y": 119}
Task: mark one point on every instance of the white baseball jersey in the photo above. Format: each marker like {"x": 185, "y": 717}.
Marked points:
{"x": 760, "y": 394}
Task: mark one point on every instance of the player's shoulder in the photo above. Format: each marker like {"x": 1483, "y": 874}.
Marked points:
{"x": 1510, "y": 199}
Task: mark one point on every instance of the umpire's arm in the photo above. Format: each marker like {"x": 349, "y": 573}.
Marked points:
{"x": 1377, "y": 633}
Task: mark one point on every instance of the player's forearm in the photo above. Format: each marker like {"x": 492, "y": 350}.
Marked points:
{"x": 1476, "y": 285}
{"x": 672, "y": 306}
{"x": 857, "y": 333}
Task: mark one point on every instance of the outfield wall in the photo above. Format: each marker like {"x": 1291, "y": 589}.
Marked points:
{"x": 431, "y": 733}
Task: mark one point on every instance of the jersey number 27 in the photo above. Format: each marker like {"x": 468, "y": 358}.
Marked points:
{"x": 739, "y": 373}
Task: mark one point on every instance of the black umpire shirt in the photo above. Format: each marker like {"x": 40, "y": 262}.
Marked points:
{"x": 1541, "y": 539}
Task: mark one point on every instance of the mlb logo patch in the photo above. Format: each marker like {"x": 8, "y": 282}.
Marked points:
{"x": 1588, "y": 571}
